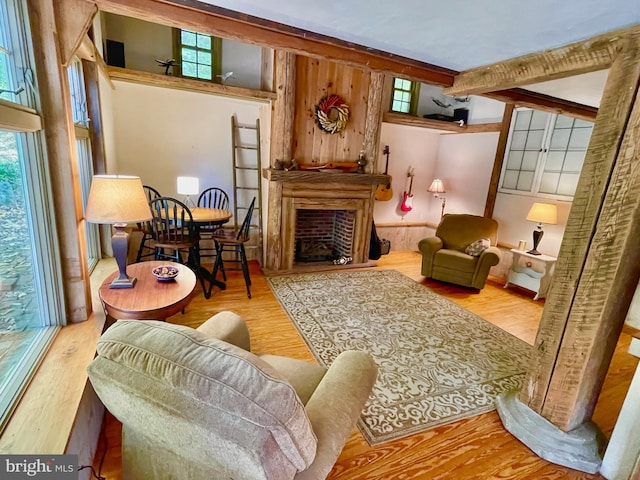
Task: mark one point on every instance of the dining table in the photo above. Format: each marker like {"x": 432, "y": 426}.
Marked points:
{"x": 202, "y": 216}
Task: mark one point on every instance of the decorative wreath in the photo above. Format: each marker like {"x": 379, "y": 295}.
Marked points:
{"x": 332, "y": 113}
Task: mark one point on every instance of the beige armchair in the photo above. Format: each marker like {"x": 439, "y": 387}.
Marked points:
{"x": 444, "y": 257}
{"x": 196, "y": 404}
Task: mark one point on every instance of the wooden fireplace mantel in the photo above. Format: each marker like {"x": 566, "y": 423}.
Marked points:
{"x": 315, "y": 176}
{"x": 295, "y": 190}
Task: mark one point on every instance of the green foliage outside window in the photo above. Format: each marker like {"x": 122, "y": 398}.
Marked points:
{"x": 199, "y": 55}
{"x": 405, "y": 96}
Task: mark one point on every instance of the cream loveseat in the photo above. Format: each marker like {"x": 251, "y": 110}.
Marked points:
{"x": 196, "y": 404}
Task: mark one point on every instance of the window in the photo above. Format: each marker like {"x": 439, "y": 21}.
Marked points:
{"x": 83, "y": 148}
{"x": 30, "y": 295}
{"x": 404, "y": 98}
{"x": 545, "y": 153}
{"x": 199, "y": 55}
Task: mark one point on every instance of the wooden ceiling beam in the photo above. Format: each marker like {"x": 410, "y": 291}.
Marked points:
{"x": 596, "y": 53}
{"x": 546, "y": 103}
{"x": 233, "y": 25}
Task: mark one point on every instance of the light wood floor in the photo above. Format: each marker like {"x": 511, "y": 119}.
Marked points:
{"x": 474, "y": 448}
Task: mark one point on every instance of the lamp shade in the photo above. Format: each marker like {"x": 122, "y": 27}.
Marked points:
{"x": 436, "y": 187}
{"x": 543, "y": 213}
{"x": 188, "y": 185}
{"x": 117, "y": 199}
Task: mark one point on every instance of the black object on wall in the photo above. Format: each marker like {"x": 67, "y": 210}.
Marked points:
{"x": 115, "y": 53}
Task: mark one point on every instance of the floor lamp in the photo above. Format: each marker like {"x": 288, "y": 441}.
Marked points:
{"x": 541, "y": 213}
{"x": 118, "y": 200}
{"x": 437, "y": 188}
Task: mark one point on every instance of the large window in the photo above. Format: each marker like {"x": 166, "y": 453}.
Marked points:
{"x": 199, "y": 55}
{"x": 404, "y": 98}
{"x": 545, "y": 153}
{"x": 30, "y": 295}
{"x": 83, "y": 148}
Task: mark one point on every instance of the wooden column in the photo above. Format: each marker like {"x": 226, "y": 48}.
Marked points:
{"x": 599, "y": 260}
{"x": 96, "y": 133}
{"x": 55, "y": 99}
{"x": 373, "y": 121}
{"x": 499, "y": 160}
{"x": 282, "y": 119}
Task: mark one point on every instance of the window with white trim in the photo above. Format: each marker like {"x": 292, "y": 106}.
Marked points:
{"x": 544, "y": 154}
{"x": 31, "y": 299}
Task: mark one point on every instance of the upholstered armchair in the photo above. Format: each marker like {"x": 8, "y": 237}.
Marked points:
{"x": 462, "y": 251}
{"x": 197, "y": 404}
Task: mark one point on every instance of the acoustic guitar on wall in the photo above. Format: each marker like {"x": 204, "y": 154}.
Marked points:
{"x": 384, "y": 192}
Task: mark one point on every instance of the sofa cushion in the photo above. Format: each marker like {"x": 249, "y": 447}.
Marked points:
{"x": 232, "y": 380}
{"x": 476, "y": 248}
{"x": 455, "y": 260}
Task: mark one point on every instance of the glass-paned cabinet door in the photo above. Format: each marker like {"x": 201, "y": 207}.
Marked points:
{"x": 565, "y": 155}
{"x": 525, "y": 147}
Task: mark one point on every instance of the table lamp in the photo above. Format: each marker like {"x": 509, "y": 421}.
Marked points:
{"x": 118, "y": 200}
{"x": 437, "y": 187}
{"x": 188, "y": 186}
{"x": 541, "y": 213}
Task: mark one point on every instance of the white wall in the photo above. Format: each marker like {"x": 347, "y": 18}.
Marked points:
{"x": 511, "y": 212}
{"x": 161, "y": 133}
{"x": 409, "y": 146}
{"x": 481, "y": 109}
{"x": 465, "y": 162}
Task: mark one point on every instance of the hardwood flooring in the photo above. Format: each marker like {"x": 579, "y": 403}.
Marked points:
{"x": 474, "y": 448}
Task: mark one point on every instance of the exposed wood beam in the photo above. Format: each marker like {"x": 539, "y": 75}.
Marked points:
{"x": 374, "y": 120}
{"x": 73, "y": 19}
{"x": 62, "y": 159}
{"x": 86, "y": 50}
{"x": 596, "y": 53}
{"x": 597, "y": 270}
{"x": 451, "y": 127}
{"x": 499, "y": 160}
{"x": 546, "y": 103}
{"x": 158, "y": 80}
{"x": 228, "y": 24}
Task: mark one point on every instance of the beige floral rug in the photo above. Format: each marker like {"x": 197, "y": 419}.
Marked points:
{"x": 438, "y": 363}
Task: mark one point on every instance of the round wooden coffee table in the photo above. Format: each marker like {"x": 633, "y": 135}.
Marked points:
{"x": 149, "y": 299}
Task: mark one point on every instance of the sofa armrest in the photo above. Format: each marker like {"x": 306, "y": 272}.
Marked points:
{"x": 428, "y": 248}
{"x": 430, "y": 245}
{"x": 335, "y": 406}
{"x": 228, "y": 327}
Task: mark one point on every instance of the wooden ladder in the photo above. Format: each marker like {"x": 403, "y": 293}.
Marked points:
{"x": 247, "y": 181}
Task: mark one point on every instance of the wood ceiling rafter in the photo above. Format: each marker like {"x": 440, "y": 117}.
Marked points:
{"x": 593, "y": 54}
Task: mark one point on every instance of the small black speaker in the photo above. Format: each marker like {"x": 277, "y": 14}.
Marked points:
{"x": 115, "y": 53}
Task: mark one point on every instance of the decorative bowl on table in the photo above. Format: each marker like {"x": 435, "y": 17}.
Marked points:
{"x": 165, "y": 273}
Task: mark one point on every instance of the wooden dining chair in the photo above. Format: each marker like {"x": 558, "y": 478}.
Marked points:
{"x": 173, "y": 232}
{"x": 234, "y": 240}
{"x": 212, "y": 197}
{"x": 146, "y": 243}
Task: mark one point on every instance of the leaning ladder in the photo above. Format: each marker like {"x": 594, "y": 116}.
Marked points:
{"x": 246, "y": 180}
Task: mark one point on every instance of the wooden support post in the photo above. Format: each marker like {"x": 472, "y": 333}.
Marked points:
{"x": 96, "y": 134}
{"x": 374, "y": 121}
{"x": 499, "y": 160}
{"x": 55, "y": 98}
{"x": 73, "y": 19}
{"x": 281, "y": 149}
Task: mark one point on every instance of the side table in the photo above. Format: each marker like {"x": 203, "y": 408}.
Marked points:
{"x": 150, "y": 299}
{"x": 522, "y": 273}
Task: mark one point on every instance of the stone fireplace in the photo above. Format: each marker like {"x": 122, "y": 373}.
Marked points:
{"x": 334, "y": 210}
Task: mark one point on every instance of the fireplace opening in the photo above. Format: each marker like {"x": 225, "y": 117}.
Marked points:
{"x": 323, "y": 235}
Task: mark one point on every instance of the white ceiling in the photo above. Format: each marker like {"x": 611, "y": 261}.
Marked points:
{"x": 458, "y": 34}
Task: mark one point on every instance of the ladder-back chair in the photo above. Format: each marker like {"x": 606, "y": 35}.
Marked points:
{"x": 146, "y": 243}
{"x": 234, "y": 240}
{"x": 212, "y": 197}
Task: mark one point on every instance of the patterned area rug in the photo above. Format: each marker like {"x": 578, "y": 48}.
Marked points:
{"x": 438, "y": 363}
